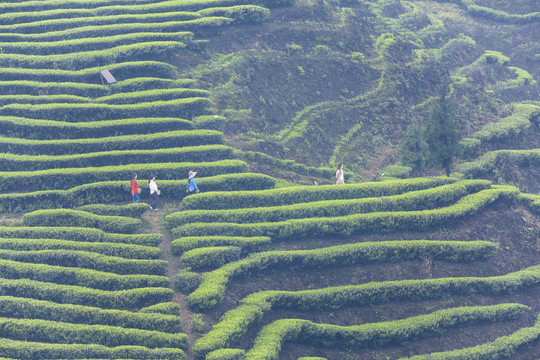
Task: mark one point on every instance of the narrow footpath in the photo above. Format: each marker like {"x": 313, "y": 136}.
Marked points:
{"x": 158, "y": 226}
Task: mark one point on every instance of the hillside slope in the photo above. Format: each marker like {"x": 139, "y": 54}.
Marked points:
{"x": 260, "y": 98}
{"x": 326, "y": 82}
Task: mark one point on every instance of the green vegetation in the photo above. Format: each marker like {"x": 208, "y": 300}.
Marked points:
{"x": 274, "y": 262}
{"x": 442, "y": 132}
{"x": 500, "y": 348}
{"x": 214, "y": 284}
{"x": 46, "y": 310}
{"x": 268, "y": 343}
{"x": 353, "y": 224}
{"x": 66, "y": 217}
{"x": 235, "y": 323}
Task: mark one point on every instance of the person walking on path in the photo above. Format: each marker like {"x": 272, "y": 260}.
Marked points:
{"x": 192, "y": 184}
{"x": 135, "y": 189}
{"x": 340, "y": 176}
{"x": 154, "y": 192}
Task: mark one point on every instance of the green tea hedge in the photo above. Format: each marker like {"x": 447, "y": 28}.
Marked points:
{"x": 67, "y": 333}
{"x": 210, "y": 257}
{"x": 68, "y": 294}
{"x": 77, "y": 218}
{"x": 211, "y": 291}
{"x": 414, "y": 200}
{"x": 184, "y": 108}
{"x": 82, "y": 59}
{"x": 132, "y": 210}
{"x": 208, "y": 153}
{"x": 120, "y": 191}
{"x": 19, "y": 307}
{"x": 236, "y": 322}
{"x": 37, "y": 350}
{"x": 501, "y": 348}
{"x": 66, "y": 178}
{"x": 123, "y": 70}
{"x": 135, "y": 97}
{"x": 56, "y": 130}
{"x": 79, "y": 234}
{"x": 247, "y": 244}
{"x": 88, "y": 260}
{"x": 268, "y": 344}
{"x": 79, "y": 277}
{"x": 166, "y": 308}
{"x": 302, "y": 194}
{"x": 169, "y": 139}
{"x": 91, "y": 44}
{"x": 104, "y": 248}
{"x": 353, "y": 224}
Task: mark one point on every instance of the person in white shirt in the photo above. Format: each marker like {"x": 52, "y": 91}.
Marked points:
{"x": 340, "y": 176}
{"x": 154, "y": 192}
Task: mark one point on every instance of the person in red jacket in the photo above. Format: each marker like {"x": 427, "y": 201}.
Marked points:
{"x": 135, "y": 189}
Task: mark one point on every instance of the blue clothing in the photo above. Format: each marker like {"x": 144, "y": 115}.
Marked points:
{"x": 136, "y": 198}
{"x": 192, "y": 185}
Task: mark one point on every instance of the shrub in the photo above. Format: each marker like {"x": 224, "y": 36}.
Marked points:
{"x": 92, "y": 44}
{"x": 184, "y": 108}
{"x": 414, "y": 200}
{"x": 78, "y": 295}
{"x": 38, "y": 309}
{"x": 269, "y": 341}
{"x": 505, "y": 128}
{"x": 242, "y": 14}
{"x": 226, "y": 354}
{"x": 300, "y": 194}
{"x": 167, "y": 139}
{"x": 212, "y": 289}
{"x": 186, "y": 281}
{"x": 105, "y": 248}
{"x": 531, "y": 201}
{"x": 77, "y": 60}
{"x": 353, "y": 224}
{"x": 236, "y": 322}
{"x": 210, "y": 122}
{"x": 501, "y": 348}
{"x": 167, "y": 308}
{"x": 151, "y": 95}
{"x": 88, "y": 260}
{"x": 136, "y": 71}
{"x": 54, "y": 130}
{"x": 493, "y": 160}
{"x": 119, "y": 191}
{"x": 37, "y": 350}
{"x": 66, "y": 333}
{"x": 131, "y": 210}
{"x": 79, "y": 277}
{"x": 80, "y": 234}
{"x": 12, "y": 162}
{"x": 291, "y": 165}
{"x": 71, "y": 177}
{"x": 77, "y": 218}
{"x": 247, "y": 244}
{"x": 210, "y": 257}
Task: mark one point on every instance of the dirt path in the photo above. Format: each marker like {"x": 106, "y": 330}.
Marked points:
{"x": 156, "y": 225}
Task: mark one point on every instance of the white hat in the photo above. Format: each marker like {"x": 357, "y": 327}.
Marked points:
{"x": 192, "y": 174}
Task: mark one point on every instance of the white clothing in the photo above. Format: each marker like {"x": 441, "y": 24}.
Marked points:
{"x": 153, "y": 186}
{"x": 340, "y": 179}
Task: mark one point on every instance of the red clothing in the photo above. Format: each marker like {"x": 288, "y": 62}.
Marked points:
{"x": 134, "y": 187}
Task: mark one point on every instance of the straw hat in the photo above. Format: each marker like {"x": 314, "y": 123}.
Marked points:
{"x": 192, "y": 174}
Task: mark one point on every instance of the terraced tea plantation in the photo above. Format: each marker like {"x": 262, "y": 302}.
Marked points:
{"x": 263, "y": 258}
{"x": 251, "y": 267}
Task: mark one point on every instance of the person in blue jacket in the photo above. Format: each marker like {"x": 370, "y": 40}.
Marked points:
{"x": 192, "y": 184}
